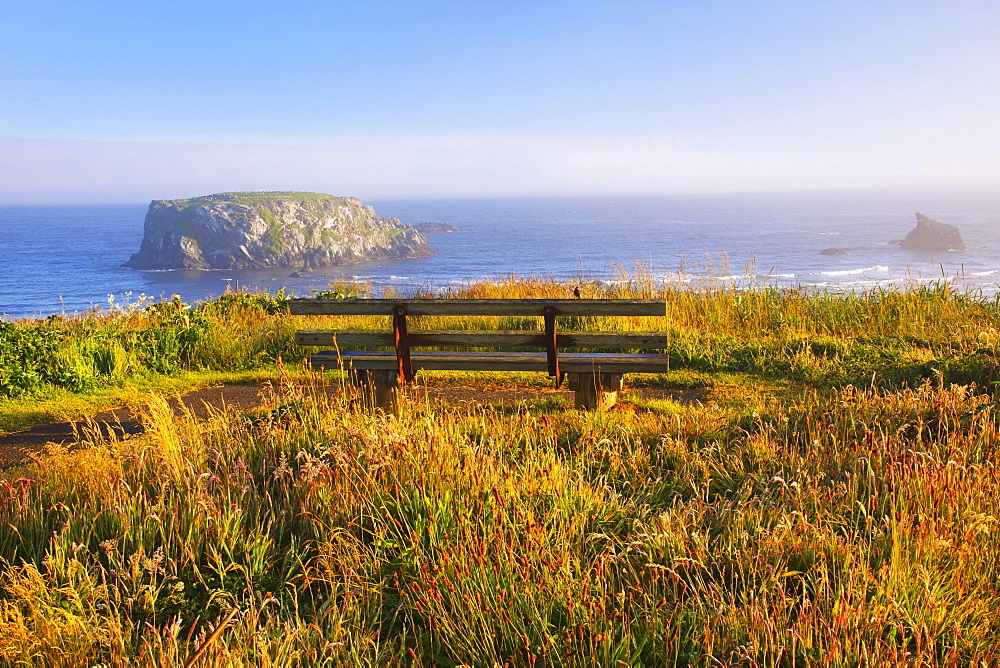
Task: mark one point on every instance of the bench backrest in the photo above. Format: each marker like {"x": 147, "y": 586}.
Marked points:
{"x": 498, "y": 307}
{"x": 548, "y": 309}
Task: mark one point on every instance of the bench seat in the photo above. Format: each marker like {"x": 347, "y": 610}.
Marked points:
{"x": 606, "y": 363}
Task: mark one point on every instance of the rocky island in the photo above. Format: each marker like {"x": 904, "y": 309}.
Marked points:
{"x": 255, "y": 230}
{"x": 930, "y": 235}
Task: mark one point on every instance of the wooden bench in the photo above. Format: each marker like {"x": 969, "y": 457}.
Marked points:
{"x": 595, "y": 377}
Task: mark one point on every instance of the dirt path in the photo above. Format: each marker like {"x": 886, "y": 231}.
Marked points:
{"x": 21, "y": 446}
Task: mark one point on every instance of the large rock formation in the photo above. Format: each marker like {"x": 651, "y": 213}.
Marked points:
{"x": 254, "y": 230}
{"x": 930, "y": 235}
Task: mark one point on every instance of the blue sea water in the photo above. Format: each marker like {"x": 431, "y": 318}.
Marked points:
{"x": 67, "y": 259}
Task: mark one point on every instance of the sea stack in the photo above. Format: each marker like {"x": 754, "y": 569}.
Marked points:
{"x": 930, "y": 235}
{"x": 255, "y": 230}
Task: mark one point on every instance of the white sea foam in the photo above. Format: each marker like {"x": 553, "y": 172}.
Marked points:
{"x": 856, "y": 272}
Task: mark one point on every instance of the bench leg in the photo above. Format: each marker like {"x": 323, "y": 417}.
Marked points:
{"x": 595, "y": 391}
{"x": 377, "y": 388}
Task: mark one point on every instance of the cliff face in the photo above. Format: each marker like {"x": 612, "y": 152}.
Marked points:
{"x": 270, "y": 229}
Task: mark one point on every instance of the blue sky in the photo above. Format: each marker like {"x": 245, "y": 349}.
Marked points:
{"x": 132, "y": 101}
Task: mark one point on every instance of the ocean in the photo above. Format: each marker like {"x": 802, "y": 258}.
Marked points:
{"x": 67, "y": 259}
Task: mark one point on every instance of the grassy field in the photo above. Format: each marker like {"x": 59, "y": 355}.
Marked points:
{"x": 832, "y": 499}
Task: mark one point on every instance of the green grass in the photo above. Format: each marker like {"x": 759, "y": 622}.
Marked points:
{"x": 253, "y": 198}
{"x": 131, "y": 343}
{"x": 827, "y": 495}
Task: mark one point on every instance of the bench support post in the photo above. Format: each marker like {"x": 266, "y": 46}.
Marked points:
{"x": 595, "y": 391}
{"x": 400, "y": 337}
{"x": 377, "y": 388}
{"x": 551, "y": 345}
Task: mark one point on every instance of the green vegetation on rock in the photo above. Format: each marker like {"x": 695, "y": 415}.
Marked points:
{"x": 272, "y": 236}
{"x": 252, "y": 199}
{"x": 185, "y": 222}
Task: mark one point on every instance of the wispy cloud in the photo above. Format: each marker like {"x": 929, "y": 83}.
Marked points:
{"x": 135, "y": 169}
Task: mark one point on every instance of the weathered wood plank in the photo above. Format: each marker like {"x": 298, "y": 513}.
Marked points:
{"x": 469, "y": 307}
{"x": 495, "y": 361}
{"x": 482, "y": 339}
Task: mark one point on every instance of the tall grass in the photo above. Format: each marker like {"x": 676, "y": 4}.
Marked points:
{"x": 845, "y": 528}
